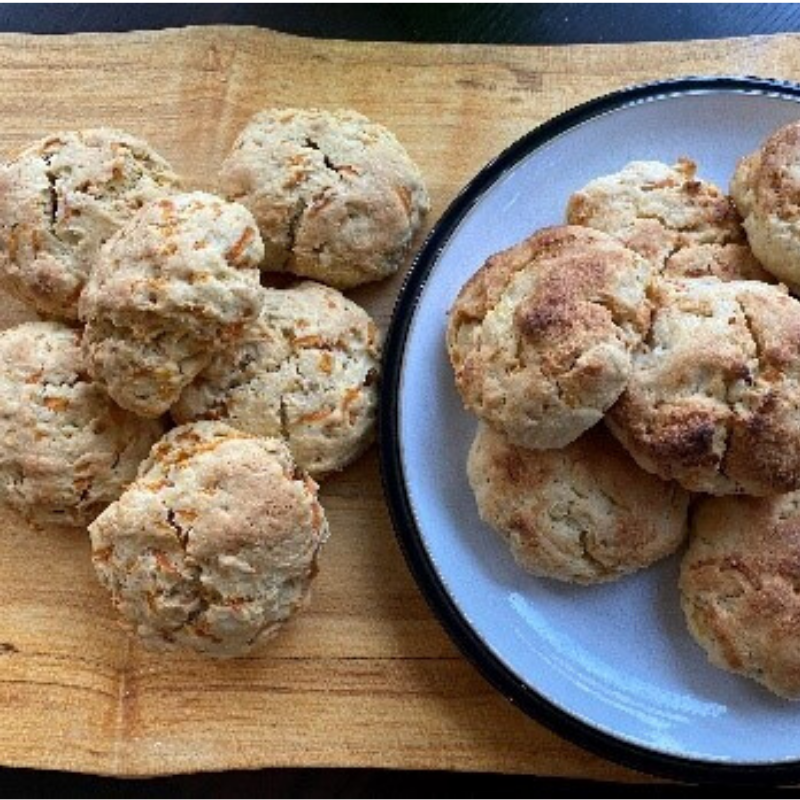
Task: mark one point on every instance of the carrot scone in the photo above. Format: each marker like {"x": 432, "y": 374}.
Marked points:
{"x": 540, "y": 338}
{"x": 583, "y": 514}
{"x": 60, "y": 200}
{"x": 306, "y": 370}
{"x": 713, "y": 401}
{"x": 174, "y": 286}
{"x": 685, "y": 226}
{"x": 214, "y": 546}
{"x": 66, "y": 450}
{"x": 766, "y": 188}
{"x": 739, "y": 587}
{"x": 336, "y": 196}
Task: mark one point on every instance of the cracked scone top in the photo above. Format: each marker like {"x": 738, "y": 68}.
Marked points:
{"x": 66, "y": 450}
{"x": 306, "y": 370}
{"x": 214, "y": 546}
{"x": 60, "y": 199}
{"x": 582, "y": 514}
{"x": 540, "y": 338}
{"x": 714, "y": 398}
{"x": 336, "y": 196}
{"x": 766, "y": 189}
{"x": 175, "y": 285}
{"x": 685, "y": 226}
{"x": 738, "y": 584}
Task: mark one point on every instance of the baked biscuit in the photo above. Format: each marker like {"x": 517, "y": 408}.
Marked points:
{"x": 540, "y": 338}
{"x": 174, "y": 286}
{"x": 307, "y": 371}
{"x": 714, "y": 398}
{"x": 60, "y": 199}
{"x": 214, "y": 546}
{"x": 66, "y": 451}
{"x": 739, "y": 587}
{"x": 766, "y": 189}
{"x": 684, "y": 225}
{"x": 336, "y": 196}
{"x": 584, "y": 514}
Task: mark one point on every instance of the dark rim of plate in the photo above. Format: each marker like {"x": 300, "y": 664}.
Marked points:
{"x": 408, "y": 535}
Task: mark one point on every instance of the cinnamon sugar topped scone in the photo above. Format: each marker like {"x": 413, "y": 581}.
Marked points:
{"x": 766, "y": 188}
{"x": 171, "y": 288}
{"x": 336, "y": 196}
{"x": 214, "y": 546}
{"x": 714, "y": 395}
{"x": 306, "y": 370}
{"x": 60, "y": 200}
{"x": 739, "y": 587}
{"x": 582, "y": 514}
{"x": 685, "y": 226}
{"x": 66, "y": 450}
{"x": 540, "y": 338}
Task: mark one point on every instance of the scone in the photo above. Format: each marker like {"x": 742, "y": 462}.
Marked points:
{"x": 584, "y": 514}
{"x": 739, "y": 587}
{"x": 540, "y": 338}
{"x": 766, "y": 189}
{"x": 66, "y": 451}
{"x": 684, "y": 225}
{"x": 214, "y": 546}
{"x": 714, "y": 397}
{"x": 336, "y": 196}
{"x": 60, "y": 200}
{"x": 171, "y": 288}
{"x": 306, "y": 370}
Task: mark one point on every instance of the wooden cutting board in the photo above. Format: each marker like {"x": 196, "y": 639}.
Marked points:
{"x": 366, "y": 677}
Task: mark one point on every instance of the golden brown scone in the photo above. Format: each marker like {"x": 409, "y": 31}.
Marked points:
{"x": 174, "y": 286}
{"x": 336, "y": 196}
{"x": 739, "y": 587}
{"x": 766, "y": 189}
{"x": 540, "y": 338}
{"x": 584, "y": 514}
{"x": 214, "y": 546}
{"x": 66, "y": 451}
{"x": 714, "y": 398}
{"x": 684, "y": 225}
{"x": 306, "y": 370}
{"x": 60, "y": 200}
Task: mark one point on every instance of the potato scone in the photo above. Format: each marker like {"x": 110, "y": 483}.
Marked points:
{"x": 306, "y": 370}
{"x": 336, "y": 196}
{"x": 540, "y": 338}
{"x": 213, "y": 548}
{"x": 713, "y": 400}
{"x": 766, "y": 189}
{"x": 66, "y": 450}
{"x": 685, "y": 226}
{"x": 171, "y": 288}
{"x": 739, "y": 587}
{"x": 60, "y": 200}
{"x": 584, "y": 514}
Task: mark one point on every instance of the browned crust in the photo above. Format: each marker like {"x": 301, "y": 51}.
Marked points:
{"x": 777, "y": 189}
{"x": 569, "y": 333}
{"x": 686, "y": 227}
{"x": 740, "y": 587}
{"x": 738, "y": 429}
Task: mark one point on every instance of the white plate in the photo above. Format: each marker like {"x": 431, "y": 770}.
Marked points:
{"x": 611, "y": 667}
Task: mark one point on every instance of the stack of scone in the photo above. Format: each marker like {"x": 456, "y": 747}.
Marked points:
{"x": 636, "y": 374}
{"x": 154, "y": 314}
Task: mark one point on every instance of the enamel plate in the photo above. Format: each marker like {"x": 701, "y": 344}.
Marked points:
{"x": 611, "y": 667}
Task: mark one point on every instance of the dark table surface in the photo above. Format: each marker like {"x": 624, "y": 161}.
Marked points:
{"x": 557, "y": 23}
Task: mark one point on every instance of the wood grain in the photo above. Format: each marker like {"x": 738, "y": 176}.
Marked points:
{"x": 366, "y": 677}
